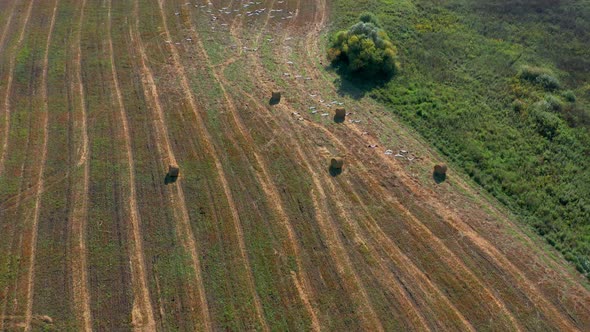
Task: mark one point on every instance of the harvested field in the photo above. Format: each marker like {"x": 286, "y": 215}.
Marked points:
{"x": 98, "y": 98}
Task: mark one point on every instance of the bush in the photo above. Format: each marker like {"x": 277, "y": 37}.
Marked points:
{"x": 569, "y": 96}
{"x": 364, "y": 50}
{"x": 518, "y": 105}
{"x": 539, "y": 76}
{"x": 546, "y": 123}
{"x": 548, "y": 82}
{"x": 368, "y": 17}
{"x": 554, "y": 104}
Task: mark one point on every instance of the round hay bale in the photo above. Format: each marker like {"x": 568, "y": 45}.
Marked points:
{"x": 440, "y": 170}
{"x": 340, "y": 113}
{"x": 173, "y": 170}
{"x": 336, "y": 163}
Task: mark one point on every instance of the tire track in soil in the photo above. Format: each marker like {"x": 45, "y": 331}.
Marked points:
{"x": 33, "y": 247}
{"x": 79, "y": 215}
{"x": 454, "y": 222}
{"x": 142, "y": 312}
{"x": 25, "y": 215}
{"x": 207, "y": 140}
{"x": 403, "y": 262}
{"x": 9, "y": 80}
{"x": 17, "y": 197}
{"x": 161, "y": 132}
{"x": 269, "y": 187}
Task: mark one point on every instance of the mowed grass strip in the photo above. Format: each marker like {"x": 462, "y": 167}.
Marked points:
{"x": 9, "y": 181}
{"x": 22, "y": 160}
{"x": 52, "y": 289}
{"x": 266, "y": 240}
{"x": 223, "y": 274}
{"x": 168, "y": 265}
{"x": 108, "y": 260}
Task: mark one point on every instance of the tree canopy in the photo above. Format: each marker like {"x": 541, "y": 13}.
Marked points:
{"x": 364, "y": 50}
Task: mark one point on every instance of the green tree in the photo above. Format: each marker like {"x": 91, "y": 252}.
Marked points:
{"x": 364, "y": 50}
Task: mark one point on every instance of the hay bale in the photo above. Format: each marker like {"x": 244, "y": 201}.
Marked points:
{"x": 440, "y": 170}
{"x": 276, "y": 96}
{"x": 336, "y": 163}
{"x": 173, "y": 171}
{"x": 340, "y": 114}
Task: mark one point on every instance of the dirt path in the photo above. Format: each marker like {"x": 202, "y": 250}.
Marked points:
{"x": 204, "y": 134}
{"x": 142, "y": 313}
{"x": 41, "y": 176}
{"x": 177, "y": 199}
{"x": 79, "y": 214}
{"x": 9, "y": 80}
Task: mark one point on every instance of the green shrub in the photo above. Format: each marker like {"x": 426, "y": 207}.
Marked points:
{"x": 531, "y": 73}
{"x": 546, "y": 123}
{"x": 554, "y": 103}
{"x": 368, "y": 17}
{"x": 539, "y": 76}
{"x": 548, "y": 82}
{"x": 518, "y": 105}
{"x": 364, "y": 50}
{"x": 569, "y": 96}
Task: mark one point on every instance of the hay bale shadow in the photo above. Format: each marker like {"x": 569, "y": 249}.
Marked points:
{"x": 338, "y": 119}
{"x": 273, "y": 101}
{"x": 439, "y": 178}
{"x": 334, "y": 172}
{"x": 170, "y": 179}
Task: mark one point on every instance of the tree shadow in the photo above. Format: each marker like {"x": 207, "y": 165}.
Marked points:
{"x": 439, "y": 178}
{"x": 170, "y": 179}
{"x": 354, "y": 85}
{"x": 334, "y": 172}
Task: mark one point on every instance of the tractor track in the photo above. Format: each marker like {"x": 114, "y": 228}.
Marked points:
{"x": 79, "y": 197}
{"x": 142, "y": 313}
{"x": 41, "y": 175}
{"x": 207, "y": 140}
{"x": 375, "y": 248}
{"x": 7, "y": 104}
{"x": 165, "y": 149}
{"x": 263, "y": 177}
{"x": 20, "y": 217}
